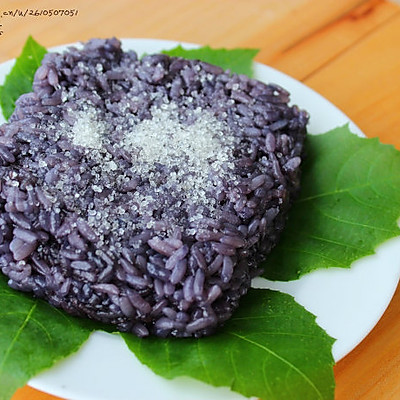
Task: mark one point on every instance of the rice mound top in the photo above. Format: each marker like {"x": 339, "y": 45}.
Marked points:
{"x": 144, "y": 193}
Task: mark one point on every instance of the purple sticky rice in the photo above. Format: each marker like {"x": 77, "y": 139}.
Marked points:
{"x": 145, "y": 193}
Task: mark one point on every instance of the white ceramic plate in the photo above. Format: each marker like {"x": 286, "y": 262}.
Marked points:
{"x": 347, "y": 303}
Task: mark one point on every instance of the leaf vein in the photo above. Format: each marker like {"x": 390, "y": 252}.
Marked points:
{"x": 365, "y": 204}
{"x": 331, "y": 241}
{"x": 273, "y": 333}
{"x": 266, "y": 381}
{"x": 354, "y": 155}
{"x": 354, "y": 223}
{"x": 327, "y": 194}
{"x": 312, "y": 253}
{"x": 206, "y": 371}
{"x": 236, "y": 374}
{"x": 43, "y": 328}
{"x": 277, "y": 356}
{"x": 17, "y": 335}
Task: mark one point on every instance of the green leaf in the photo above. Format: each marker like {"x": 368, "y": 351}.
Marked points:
{"x": 237, "y": 60}
{"x": 349, "y": 204}
{"x": 19, "y": 80}
{"x": 271, "y": 348}
{"x": 33, "y": 337}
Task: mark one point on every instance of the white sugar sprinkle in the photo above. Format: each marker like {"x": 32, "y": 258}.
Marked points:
{"x": 179, "y": 160}
{"x": 88, "y": 130}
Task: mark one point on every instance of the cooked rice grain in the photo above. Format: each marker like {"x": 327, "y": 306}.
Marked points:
{"x": 144, "y": 193}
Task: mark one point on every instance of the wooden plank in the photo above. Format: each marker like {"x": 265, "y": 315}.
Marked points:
{"x": 296, "y": 24}
{"x": 365, "y": 82}
{"x": 372, "y": 370}
{"x": 326, "y": 44}
{"x": 270, "y": 25}
{"x": 27, "y": 393}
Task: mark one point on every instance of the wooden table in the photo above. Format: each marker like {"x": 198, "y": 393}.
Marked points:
{"x": 347, "y": 50}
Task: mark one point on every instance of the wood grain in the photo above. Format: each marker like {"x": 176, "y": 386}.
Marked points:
{"x": 266, "y": 24}
{"x": 326, "y": 44}
{"x": 27, "y": 393}
{"x": 372, "y": 370}
{"x": 365, "y": 81}
{"x": 347, "y": 50}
